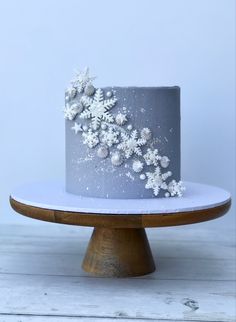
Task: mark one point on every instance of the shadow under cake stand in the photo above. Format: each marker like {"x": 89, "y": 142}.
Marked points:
{"x": 119, "y": 246}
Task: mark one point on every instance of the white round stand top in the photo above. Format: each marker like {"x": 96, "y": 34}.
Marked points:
{"x": 52, "y": 195}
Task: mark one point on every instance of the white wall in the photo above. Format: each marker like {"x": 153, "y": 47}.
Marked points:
{"x": 185, "y": 43}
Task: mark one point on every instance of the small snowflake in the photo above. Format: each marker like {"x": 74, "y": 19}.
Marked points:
{"x": 110, "y": 137}
{"x": 90, "y": 138}
{"x": 70, "y": 111}
{"x": 97, "y": 108}
{"x": 156, "y": 181}
{"x": 152, "y": 157}
{"x": 121, "y": 118}
{"x": 146, "y": 133}
{"x": 81, "y": 79}
{"x": 137, "y": 166}
{"x": 176, "y": 188}
{"x": 116, "y": 158}
{"x": 70, "y": 93}
{"x": 131, "y": 144}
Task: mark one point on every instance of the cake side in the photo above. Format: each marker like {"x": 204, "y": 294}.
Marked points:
{"x": 123, "y": 142}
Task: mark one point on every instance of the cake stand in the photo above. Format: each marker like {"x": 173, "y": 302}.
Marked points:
{"x": 119, "y": 246}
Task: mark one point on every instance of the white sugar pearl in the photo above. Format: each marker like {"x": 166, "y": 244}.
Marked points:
{"x": 142, "y": 176}
{"x": 165, "y": 161}
{"x": 109, "y": 94}
{"x": 103, "y": 126}
{"x": 167, "y": 194}
{"x": 129, "y": 127}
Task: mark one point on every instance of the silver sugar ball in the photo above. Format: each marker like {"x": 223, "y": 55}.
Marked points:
{"x": 89, "y": 89}
{"x": 102, "y": 152}
{"x": 109, "y": 94}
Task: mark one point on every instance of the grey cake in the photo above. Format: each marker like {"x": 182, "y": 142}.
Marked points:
{"x": 122, "y": 142}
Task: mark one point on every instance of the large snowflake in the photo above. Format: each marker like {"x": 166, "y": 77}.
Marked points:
{"x": 81, "y": 79}
{"x": 156, "y": 180}
{"x": 97, "y": 108}
{"x": 131, "y": 144}
{"x": 152, "y": 157}
{"x": 90, "y": 138}
{"x": 110, "y": 137}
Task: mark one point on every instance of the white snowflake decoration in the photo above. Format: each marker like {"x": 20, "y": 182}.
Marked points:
{"x": 137, "y": 166}
{"x": 176, "y": 188}
{"x": 121, "y": 119}
{"x": 97, "y": 108}
{"x": 81, "y": 79}
{"x": 70, "y": 111}
{"x": 116, "y": 158}
{"x": 146, "y": 134}
{"x": 90, "y": 138}
{"x": 152, "y": 157}
{"x": 71, "y": 93}
{"x": 110, "y": 137}
{"x": 131, "y": 144}
{"x": 156, "y": 181}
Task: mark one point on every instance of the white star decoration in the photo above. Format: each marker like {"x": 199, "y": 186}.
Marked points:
{"x": 77, "y": 128}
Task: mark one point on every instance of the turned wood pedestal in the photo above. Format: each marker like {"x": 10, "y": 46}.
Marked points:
{"x": 119, "y": 246}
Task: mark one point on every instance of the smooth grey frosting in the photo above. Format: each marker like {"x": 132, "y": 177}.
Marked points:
{"x": 156, "y": 108}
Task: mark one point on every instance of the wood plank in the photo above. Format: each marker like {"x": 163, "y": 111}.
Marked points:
{"x": 189, "y": 233}
{"x": 50, "y": 318}
{"x": 70, "y": 265}
{"x": 77, "y": 245}
{"x": 175, "y": 259}
{"x": 126, "y": 298}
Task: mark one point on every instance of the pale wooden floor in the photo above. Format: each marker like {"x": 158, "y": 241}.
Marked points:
{"x": 41, "y": 279}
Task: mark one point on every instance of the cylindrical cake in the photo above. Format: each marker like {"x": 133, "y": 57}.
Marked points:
{"x": 123, "y": 142}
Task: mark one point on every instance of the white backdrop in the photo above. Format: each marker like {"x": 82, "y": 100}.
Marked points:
{"x": 125, "y": 42}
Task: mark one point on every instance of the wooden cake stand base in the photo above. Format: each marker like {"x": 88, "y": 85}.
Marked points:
{"x": 119, "y": 246}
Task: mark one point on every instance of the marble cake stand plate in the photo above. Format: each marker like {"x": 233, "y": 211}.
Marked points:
{"x": 119, "y": 246}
